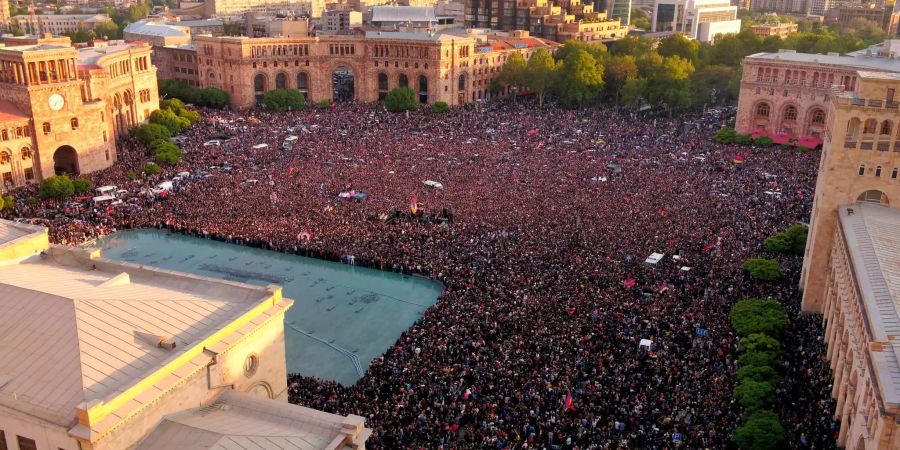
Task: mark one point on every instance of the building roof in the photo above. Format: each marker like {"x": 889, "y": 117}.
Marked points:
{"x": 872, "y": 237}
{"x": 241, "y": 421}
{"x": 90, "y": 55}
{"x": 856, "y": 61}
{"x": 146, "y": 28}
{"x": 10, "y": 232}
{"x": 10, "y": 113}
{"x": 403, "y": 14}
{"x": 77, "y": 328}
{"x": 199, "y": 23}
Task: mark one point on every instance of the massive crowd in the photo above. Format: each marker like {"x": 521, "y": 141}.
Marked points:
{"x": 535, "y": 342}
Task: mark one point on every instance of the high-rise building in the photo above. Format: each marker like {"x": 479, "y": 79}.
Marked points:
{"x": 620, "y": 9}
{"x": 570, "y": 19}
{"x": 702, "y": 20}
{"x": 779, "y": 6}
{"x": 851, "y": 271}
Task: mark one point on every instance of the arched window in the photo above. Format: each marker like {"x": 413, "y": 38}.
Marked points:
{"x": 259, "y": 83}
{"x": 382, "y": 81}
{"x": 873, "y": 196}
{"x": 878, "y": 172}
{"x": 790, "y": 113}
{"x": 886, "y": 127}
{"x": 762, "y": 110}
{"x": 403, "y": 81}
{"x": 462, "y": 82}
{"x": 870, "y": 126}
{"x": 818, "y": 117}
{"x": 26, "y": 153}
{"x": 423, "y": 89}
{"x": 280, "y": 81}
{"x": 862, "y": 169}
{"x": 302, "y": 82}
{"x": 4, "y": 158}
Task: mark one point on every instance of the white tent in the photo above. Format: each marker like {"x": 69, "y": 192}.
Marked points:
{"x": 645, "y": 343}
{"x": 654, "y": 258}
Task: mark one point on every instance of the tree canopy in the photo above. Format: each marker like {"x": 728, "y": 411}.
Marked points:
{"x": 284, "y": 99}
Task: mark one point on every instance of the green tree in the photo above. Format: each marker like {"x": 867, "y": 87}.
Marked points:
{"x": 152, "y": 132}
{"x": 668, "y": 80}
{"x": 758, "y": 315}
{"x": 440, "y": 107}
{"x": 764, "y": 142}
{"x": 213, "y": 97}
{"x": 754, "y": 395}
{"x": 401, "y": 99}
{"x": 618, "y": 70}
{"x": 284, "y": 99}
{"x": 743, "y": 139}
{"x": 167, "y": 154}
{"x": 581, "y": 79}
{"x": 714, "y": 84}
{"x": 540, "y": 74}
{"x": 760, "y": 343}
{"x": 763, "y": 269}
{"x": 108, "y": 30}
{"x": 640, "y": 19}
{"x": 765, "y": 374}
{"x": 8, "y": 202}
{"x": 631, "y": 45}
{"x": 678, "y": 45}
{"x": 173, "y": 104}
{"x": 58, "y": 187}
{"x": 169, "y": 120}
{"x": 513, "y": 71}
{"x": 82, "y": 185}
{"x": 191, "y": 116}
{"x": 760, "y": 431}
{"x": 151, "y": 168}
{"x": 725, "y": 135}
{"x": 570, "y": 47}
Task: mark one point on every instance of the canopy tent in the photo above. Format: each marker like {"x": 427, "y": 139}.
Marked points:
{"x": 645, "y": 343}
{"x": 654, "y": 258}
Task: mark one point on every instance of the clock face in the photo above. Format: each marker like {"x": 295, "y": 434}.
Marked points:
{"x": 56, "y": 102}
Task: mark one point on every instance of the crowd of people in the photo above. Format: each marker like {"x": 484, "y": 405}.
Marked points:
{"x": 539, "y": 231}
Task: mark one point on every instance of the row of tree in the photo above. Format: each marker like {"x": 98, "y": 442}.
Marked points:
{"x": 676, "y": 73}
{"x": 760, "y": 324}
{"x": 209, "y": 97}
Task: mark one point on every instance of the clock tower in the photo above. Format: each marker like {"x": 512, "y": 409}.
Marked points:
{"x": 45, "y": 85}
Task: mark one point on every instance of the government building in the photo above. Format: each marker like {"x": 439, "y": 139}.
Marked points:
{"x": 442, "y": 66}
{"x": 784, "y": 94}
{"x": 106, "y": 355}
{"x": 851, "y": 271}
{"x": 62, "y": 108}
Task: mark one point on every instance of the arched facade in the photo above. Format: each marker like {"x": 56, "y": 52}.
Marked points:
{"x": 378, "y": 64}
{"x": 65, "y": 161}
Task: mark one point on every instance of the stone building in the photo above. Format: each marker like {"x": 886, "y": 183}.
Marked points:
{"x": 786, "y": 93}
{"x": 107, "y": 355}
{"x": 851, "y": 273}
{"x": 454, "y": 68}
{"x": 781, "y": 30}
{"x": 61, "y": 108}
{"x": 59, "y": 23}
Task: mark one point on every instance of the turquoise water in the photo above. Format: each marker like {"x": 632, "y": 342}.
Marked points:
{"x": 343, "y": 316}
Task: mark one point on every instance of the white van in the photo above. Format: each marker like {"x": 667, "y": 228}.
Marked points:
{"x": 106, "y": 190}
{"x": 260, "y": 146}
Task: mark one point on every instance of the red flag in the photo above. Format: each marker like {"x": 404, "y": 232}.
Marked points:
{"x": 629, "y": 282}
{"x": 414, "y": 205}
{"x": 568, "y": 404}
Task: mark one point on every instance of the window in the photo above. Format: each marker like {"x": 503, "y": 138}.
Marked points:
{"x": 762, "y": 110}
{"x": 878, "y": 171}
{"x": 251, "y": 364}
{"x": 4, "y": 135}
{"x": 790, "y": 113}
{"x": 26, "y": 444}
{"x": 3, "y": 441}
{"x": 46, "y": 127}
{"x": 890, "y": 95}
{"x": 462, "y": 82}
{"x": 886, "y": 127}
{"x": 403, "y": 81}
{"x": 302, "y": 82}
{"x": 862, "y": 169}
{"x": 894, "y": 174}
{"x": 873, "y": 196}
{"x": 26, "y": 153}
{"x": 74, "y": 123}
{"x": 870, "y": 126}
{"x": 382, "y": 82}
{"x": 4, "y": 158}
{"x": 29, "y": 174}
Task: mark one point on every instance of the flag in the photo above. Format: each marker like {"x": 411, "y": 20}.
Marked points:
{"x": 568, "y": 404}
{"x": 629, "y": 282}
{"x": 414, "y": 205}
{"x": 662, "y": 212}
